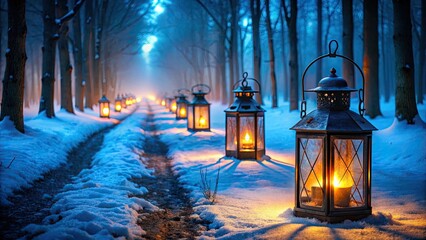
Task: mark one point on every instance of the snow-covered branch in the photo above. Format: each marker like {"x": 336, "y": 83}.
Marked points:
{"x": 70, "y": 14}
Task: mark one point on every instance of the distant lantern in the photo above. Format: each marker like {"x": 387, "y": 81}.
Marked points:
{"x": 163, "y": 101}
{"x": 245, "y": 124}
{"x": 173, "y": 106}
{"x": 103, "y": 107}
{"x": 123, "y": 101}
{"x": 333, "y": 152}
{"x": 169, "y": 103}
{"x": 199, "y": 109}
{"x": 118, "y": 104}
{"x": 182, "y": 104}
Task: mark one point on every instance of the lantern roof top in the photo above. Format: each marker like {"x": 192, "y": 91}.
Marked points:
{"x": 329, "y": 120}
{"x": 199, "y": 99}
{"x": 103, "y": 99}
{"x": 245, "y": 105}
{"x": 332, "y": 83}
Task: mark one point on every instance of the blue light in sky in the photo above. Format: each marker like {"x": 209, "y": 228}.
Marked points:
{"x": 159, "y": 9}
{"x": 147, "y": 47}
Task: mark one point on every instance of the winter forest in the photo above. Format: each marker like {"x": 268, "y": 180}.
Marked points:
{"x": 99, "y": 115}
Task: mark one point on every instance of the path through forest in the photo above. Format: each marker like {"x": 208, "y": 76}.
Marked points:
{"x": 174, "y": 220}
{"x": 32, "y": 205}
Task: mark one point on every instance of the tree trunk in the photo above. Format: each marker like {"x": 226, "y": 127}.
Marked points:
{"x": 49, "y": 53}
{"x": 284, "y": 60}
{"x": 96, "y": 51}
{"x": 271, "y": 57}
{"x": 87, "y": 64}
{"x": 64, "y": 59}
{"x": 294, "y": 61}
{"x": 421, "y": 77}
{"x": 319, "y": 74}
{"x": 348, "y": 42}
{"x": 78, "y": 63}
{"x": 385, "y": 55}
{"x": 371, "y": 59}
{"x": 405, "y": 102}
{"x": 255, "y": 9}
{"x": 233, "y": 49}
{"x": 14, "y": 74}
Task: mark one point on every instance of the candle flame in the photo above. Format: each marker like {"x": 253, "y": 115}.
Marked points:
{"x": 174, "y": 107}
{"x": 247, "y": 138}
{"x": 105, "y": 111}
{"x": 182, "y": 112}
{"x": 202, "y": 121}
{"x": 341, "y": 182}
{"x": 163, "y": 103}
{"x": 118, "y": 107}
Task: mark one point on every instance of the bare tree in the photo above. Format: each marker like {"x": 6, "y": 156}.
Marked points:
{"x": 291, "y": 19}
{"x": 14, "y": 75}
{"x": 421, "y": 76}
{"x": 256, "y": 13}
{"x": 348, "y": 42}
{"x": 64, "y": 59}
{"x": 79, "y": 86}
{"x": 271, "y": 56}
{"x": 87, "y": 56}
{"x": 405, "y": 102}
{"x": 371, "y": 59}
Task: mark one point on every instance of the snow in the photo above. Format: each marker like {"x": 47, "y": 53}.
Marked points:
{"x": 254, "y": 199}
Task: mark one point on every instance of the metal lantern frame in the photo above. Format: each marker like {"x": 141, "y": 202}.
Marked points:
{"x": 333, "y": 152}
{"x": 118, "y": 102}
{"x": 123, "y": 101}
{"x": 199, "y": 109}
{"x": 245, "y": 123}
{"x": 182, "y": 104}
{"x": 104, "y": 103}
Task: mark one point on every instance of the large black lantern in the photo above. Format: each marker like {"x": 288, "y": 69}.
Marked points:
{"x": 245, "y": 124}
{"x": 118, "y": 101}
{"x": 199, "y": 109}
{"x": 333, "y": 152}
{"x": 104, "y": 107}
{"x": 181, "y": 104}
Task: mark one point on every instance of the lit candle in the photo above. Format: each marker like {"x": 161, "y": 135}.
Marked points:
{"x": 247, "y": 142}
{"x": 163, "y": 103}
{"x": 105, "y": 111}
{"x": 118, "y": 107}
{"x": 202, "y": 122}
{"x": 182, "y": 112}
{"x": 174, "y": 107}
{"x": 342, "y": 192}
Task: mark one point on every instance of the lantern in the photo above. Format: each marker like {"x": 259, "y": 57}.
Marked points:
{"x": 245, "y": 125}
{"x": 333, "y": 152}
{"x": 169, "y": 103}
{"x": 123, "y": 101}
{"x": 199, "y": 110}
{"x": 173, "y": 105}
{"x": 181, "y": 105}
{"x": 103, "y": 107}
{"x": 118, "y": 104}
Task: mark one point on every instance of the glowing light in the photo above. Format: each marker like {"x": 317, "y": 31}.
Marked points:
{"x": 202, "y": 121}
{"x": 245, "y": 22}
{"x": 182, "y": 112}
{"x": 174, "y": 107}
{"x": 163, "y": 103}
{"x": 138, "y": 99}
{"x": 158, "y": 9}
{"x": 118, "y": 107}
{"x": 147, "y": 47}
{"x": 247, "y": 142}
{"x": 105, "y": 111}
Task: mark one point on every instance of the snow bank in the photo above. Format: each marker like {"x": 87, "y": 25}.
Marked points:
{"x": 102, "y": 202}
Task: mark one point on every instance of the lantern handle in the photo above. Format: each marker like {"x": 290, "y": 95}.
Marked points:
{"x": 244, "y": 82}
{"x": 200, "y": 85}
{"x": 182, "y": 90}
{"x": 330, "y": 54}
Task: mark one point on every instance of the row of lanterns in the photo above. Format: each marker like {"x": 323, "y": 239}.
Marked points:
{"x": 196, "y": 112}
{"x": 120, "y": 102}
{"x": 333, "y": 143}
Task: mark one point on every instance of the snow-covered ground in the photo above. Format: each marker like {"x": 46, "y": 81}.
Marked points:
{"x": 254, "y": 199}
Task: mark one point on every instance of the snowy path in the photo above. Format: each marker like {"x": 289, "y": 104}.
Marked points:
{"x": 32, "y": 205}
{"x": 174, "y": 220}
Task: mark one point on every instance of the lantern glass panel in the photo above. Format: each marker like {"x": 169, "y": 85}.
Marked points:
{"x": 202, "y": 117}
{"x": 190, "y": 116}
{"x": 247, "y": 134}
{"x": 231, "y": 134}
{"x": 348, "y": 176}
{"x": 260, "y": 133}
{"x": 311, "y": 187}
{"x": 181, "y": 110}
